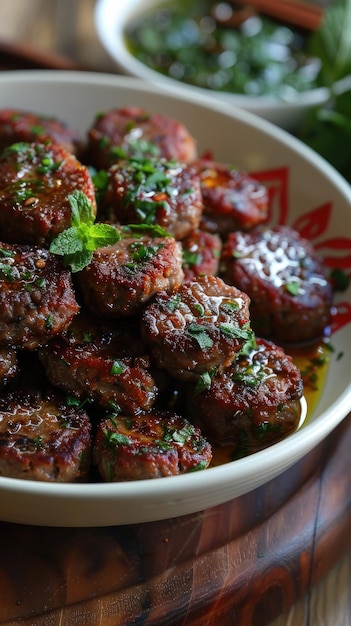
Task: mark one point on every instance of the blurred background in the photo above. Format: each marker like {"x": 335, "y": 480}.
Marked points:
{"x": 58, "y": 27}
{"x": 62, "y": 34}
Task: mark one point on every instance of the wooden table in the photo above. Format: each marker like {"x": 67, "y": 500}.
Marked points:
{"x": 242, "y": 563}
{"x": 281, "y": 552}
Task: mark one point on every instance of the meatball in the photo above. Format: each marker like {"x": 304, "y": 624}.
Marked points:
{"x": 253, "y": 403}
{"x": 37, "y": 300}
{"x": 9, "y": 368}
{"x": 122, "y": 277}
{"x": 233, "y": 200}
{"x": 201, "y": 255}
{"x": 199, "y": 328}
{"x": 24, "y": 126}
{"x": 151, "y": 445}
{"x": 280, "y": 271}
{"x": 148, "y": 191}
{"x": 105, "y": 363}
{"x": 36, "y": 181}
{"x": 132, "y": 131}
{"x": 42, "y": 438}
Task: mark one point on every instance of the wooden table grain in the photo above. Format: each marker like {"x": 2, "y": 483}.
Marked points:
{"x": 281, "y": 552}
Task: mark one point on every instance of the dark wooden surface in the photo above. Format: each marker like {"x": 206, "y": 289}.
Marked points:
{"x": 243, "y": 563}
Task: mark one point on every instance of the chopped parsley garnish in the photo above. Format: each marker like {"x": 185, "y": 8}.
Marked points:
{"x": 203, "y": 382}
{"x": 153, "y": 230}
{"x": 200, "y": 334}
{"x": 100, "y": 180}
{"x": 200, "y": 466}
{"x": 8, "y": 272}
{"x": 190, "y": 259}
{"x": 293, "y": 287}
{"x": 234, "y": 332}
{"x": 174, "y": 302}
{"x": 49, "y": 322}
{"x": 118, "y": 367}
{"x": 116, "y": 439}
{"x": 6, "y": 253}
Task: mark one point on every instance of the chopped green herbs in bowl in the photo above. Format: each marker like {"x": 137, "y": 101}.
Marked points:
{"x": 270, "y": 68}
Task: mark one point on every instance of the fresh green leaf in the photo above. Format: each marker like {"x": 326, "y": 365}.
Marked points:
{"x": 79, "y": 260}
{"x": 232, "y": 331}
{"x": 100, "y": 235}
{"x": 331, "y": 42}
{"x": 67, "y": 242}
{"x": 154, "y": 230}
{"x": 204, "y": 382}
{"x": 118, "y": 367}
{"x": 81, "y": 207}
{"x": 78, "y": 242}
{"x": 293, "y": 287}
{"x": 200, "y": 334}
{"x": 116, "y": 439}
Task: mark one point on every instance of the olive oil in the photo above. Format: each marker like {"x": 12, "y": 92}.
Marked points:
{"x": 313, "y": 363}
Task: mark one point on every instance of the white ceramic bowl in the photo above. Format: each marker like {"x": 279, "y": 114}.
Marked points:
{"x": 305, "y": 190}
{"x": 111, "y": 18}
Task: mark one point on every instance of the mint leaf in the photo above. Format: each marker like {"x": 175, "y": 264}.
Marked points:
{"x": 79, "y": 260}
{"x": 78, "y": 242}
{"x": 331, "y": 42}
{"x": 199, "y": 333}
{"x": 100, "y": 235}
{"x": 67, "y": 242}
{"x": 81, "y": 207}
{"x": 154, "y": 230}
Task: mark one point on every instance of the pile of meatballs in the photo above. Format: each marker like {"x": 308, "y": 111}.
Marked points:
{"x": 170, "y": 341}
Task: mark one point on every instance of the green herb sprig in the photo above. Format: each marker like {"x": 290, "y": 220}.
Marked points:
{"x": 78, "y": 242}
{"x": 329, "y": 125}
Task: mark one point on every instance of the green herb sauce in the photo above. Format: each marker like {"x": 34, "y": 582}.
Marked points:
{"x": 189, "y": 42}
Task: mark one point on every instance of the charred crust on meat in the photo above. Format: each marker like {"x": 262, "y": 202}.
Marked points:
{"x": 153, "y": 191}
{"x": 37, "y": 179}
{"x": 255, "y": 401}
{"x": 17, "y": 125}
{"x": 42, "y": 438}
{"x": 290, "y": 294}
{"x": 150, "y": 445}
{"x": 105, "y": 363}
{"x": 202, "y": 325}
{"x": 133, "y": 132}
{"x": 37, "y": 299}
{"x": 121, "y": 278}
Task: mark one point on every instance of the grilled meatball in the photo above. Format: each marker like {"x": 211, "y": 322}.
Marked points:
{"x": 233, "y": 200}
{"x": 282, "y": 274}
{"x": 198, "y": 328}
{"x": 36, "y": 180}
{"x": 132, "y": 131}
{"x": 148, "y": 191}
{"x": 255, "y": 402}
{"x": 151, "y": 445}
{"x": 122, "y": 277}
{"x": 37, "y": 300}
{"x": 25, "y": 126}
{"x": 8, "y": 366}
{"x": 201, "y": 254}
{"x": 105, "y": 363}
{"x": 42, "y": 438}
